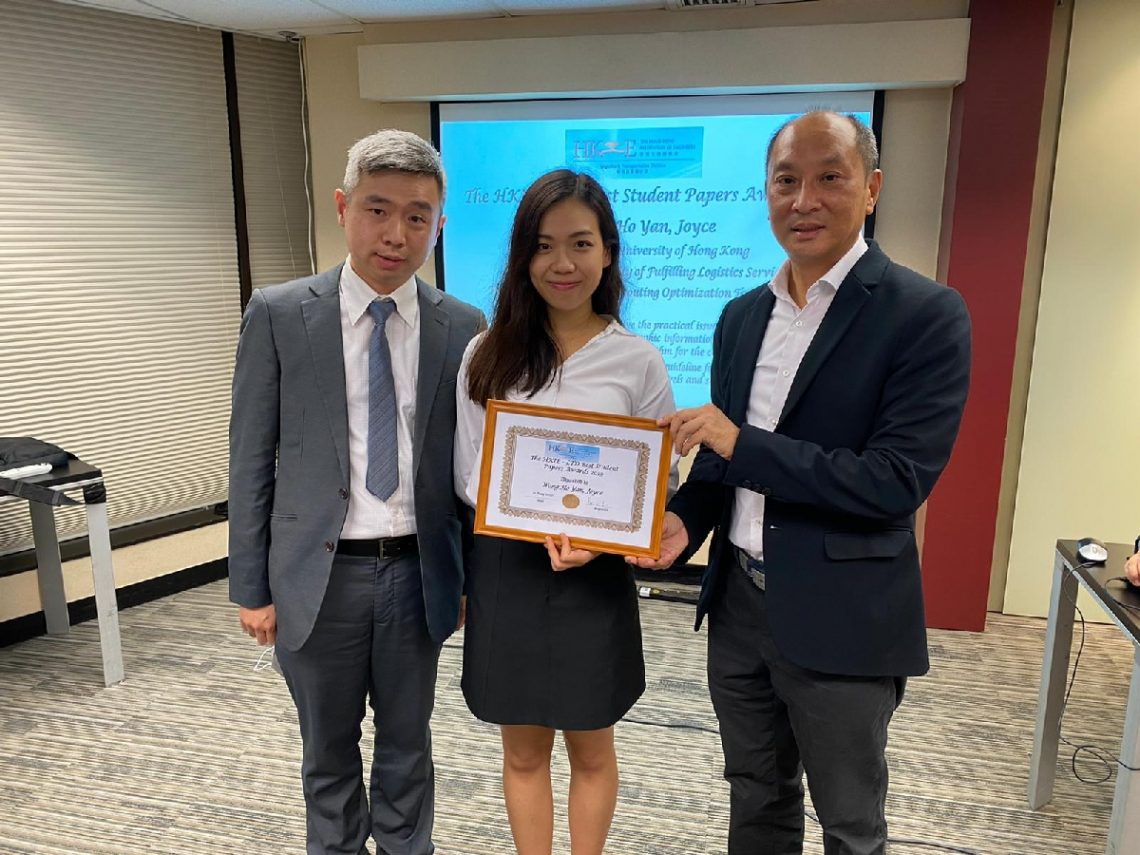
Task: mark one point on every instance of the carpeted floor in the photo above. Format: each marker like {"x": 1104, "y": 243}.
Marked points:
{"x": 197, "y": 753}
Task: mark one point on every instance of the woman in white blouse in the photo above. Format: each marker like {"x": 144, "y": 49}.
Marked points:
{"x": 553, "y": 638}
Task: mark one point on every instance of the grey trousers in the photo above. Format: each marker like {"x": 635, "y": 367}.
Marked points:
{"x": 370, "y": 642}
{"x": 778, "y": 720}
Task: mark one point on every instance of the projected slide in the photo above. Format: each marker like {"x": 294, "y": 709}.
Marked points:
{"x": 686, "y": 179}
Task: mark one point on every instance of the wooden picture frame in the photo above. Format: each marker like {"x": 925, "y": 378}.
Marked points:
{"x": 602, "y": 479}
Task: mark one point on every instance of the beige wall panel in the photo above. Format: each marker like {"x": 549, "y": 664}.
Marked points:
{"x": 20, "y": 596}
{"x": 1080, "y": 464}
{"x": 850, "y": 56}
{"x": 338, "y": 117}
{"x": 915, "y": 128}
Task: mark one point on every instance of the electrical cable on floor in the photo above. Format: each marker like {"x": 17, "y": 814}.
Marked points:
{"x": 1105, "y": 758}
{"x": 649, "y": 592}
{"x": 673, "y": 725}
{"x": 941, "y": 847}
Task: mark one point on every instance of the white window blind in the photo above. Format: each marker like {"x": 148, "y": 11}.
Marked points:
{"x": 119, "y": 296}
{"x": 273, "y": 159}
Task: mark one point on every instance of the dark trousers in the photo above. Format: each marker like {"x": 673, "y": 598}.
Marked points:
{"x": 370, "y": 641}
{"x": 778, "y": 720}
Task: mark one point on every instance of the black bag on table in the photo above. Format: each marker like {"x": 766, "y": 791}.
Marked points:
{"x": 24, "y": 451}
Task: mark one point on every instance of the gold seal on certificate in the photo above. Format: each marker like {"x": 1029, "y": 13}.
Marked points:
{"x": 599, "y": 478}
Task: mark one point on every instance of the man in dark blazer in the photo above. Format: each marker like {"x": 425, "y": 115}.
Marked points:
{"x": 837, "y": 393}
{"x": 345, "y": 535}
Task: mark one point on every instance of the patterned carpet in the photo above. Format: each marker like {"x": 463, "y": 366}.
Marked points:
{"x": 197, "y": 753}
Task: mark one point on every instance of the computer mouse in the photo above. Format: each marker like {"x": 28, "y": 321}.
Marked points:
{"x": 1091, "y": 551}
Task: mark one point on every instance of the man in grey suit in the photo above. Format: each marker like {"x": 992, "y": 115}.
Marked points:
{"x": 345, "y": 536}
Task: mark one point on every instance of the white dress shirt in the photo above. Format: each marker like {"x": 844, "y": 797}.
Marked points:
{"x": 370, "y": 516}
{"x": 615, "y": 372}
{"x": 790, "y": 331}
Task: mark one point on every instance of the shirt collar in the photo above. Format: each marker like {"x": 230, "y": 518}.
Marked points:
{"x": 356, "y": 295}
{"x": 833, "y": 277}
{"x": 614, "y": 326}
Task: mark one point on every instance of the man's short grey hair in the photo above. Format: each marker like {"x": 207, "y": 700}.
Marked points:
{"x": 865, "y": 142}
{"x": 391, "y": 150}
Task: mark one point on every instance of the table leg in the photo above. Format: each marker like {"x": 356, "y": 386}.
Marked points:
{"x": 1054, "y": 676}
{"x": 1124, "y": 828}
{"x": 49, "y": 569}
{"x": 99, "y": 537}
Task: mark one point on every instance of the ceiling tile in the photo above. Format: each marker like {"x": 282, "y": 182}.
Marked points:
{"x": 323, "y": 16}
{"x": 258, "y": 14}
{"x": 249, "y": 15}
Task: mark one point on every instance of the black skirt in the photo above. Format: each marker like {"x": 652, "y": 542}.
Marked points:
{"x": 559, "y": 650}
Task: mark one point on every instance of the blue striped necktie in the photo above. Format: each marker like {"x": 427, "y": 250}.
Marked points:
{"x": 383, "y": 450}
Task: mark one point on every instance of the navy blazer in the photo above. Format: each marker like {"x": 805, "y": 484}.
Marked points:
{"x": 867, "y": 429}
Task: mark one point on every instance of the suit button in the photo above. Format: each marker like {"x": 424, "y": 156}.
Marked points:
{"x": 329, "y": 546}
{"x": 343, "y": 493}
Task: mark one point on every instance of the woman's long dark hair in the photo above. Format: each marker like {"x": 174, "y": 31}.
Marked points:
{"x": 519, "y": 350}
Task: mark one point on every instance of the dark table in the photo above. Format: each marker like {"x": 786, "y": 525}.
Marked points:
{"x": 47, "y": 491}
{"x": 1068, "y": 573}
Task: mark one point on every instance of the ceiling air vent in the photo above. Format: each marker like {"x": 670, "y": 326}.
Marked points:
{"x": 701, "y": 4}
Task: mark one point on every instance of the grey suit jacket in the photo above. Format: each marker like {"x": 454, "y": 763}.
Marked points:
{"x": 289, "y": 469}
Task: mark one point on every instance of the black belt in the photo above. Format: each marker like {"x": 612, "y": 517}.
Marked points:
{"x": 752, "y": 568}
{"x": 380, "y": 547}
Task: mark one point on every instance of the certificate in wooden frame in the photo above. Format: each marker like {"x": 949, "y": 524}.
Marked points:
{"x": 600, "y": 478}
